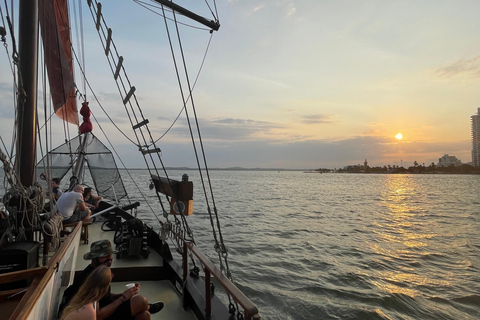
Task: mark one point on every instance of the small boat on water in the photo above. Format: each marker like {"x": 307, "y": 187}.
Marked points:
{"x": 39, "y": 254}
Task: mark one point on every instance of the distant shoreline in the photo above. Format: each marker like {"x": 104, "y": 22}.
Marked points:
{"x": 228, "y": 169}
{"x": 302, "y": 170}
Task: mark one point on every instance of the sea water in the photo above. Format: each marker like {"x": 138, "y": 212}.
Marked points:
{"x": 341, "y": 246}
{"x": 345, "y": 246}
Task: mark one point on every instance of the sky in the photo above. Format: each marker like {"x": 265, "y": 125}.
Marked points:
{"x": 294, "y": 84}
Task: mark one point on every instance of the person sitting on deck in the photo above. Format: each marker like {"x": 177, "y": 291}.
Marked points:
{"x": 57, "y": 192}
{"x": 92, "y": 201}
{"x": 72, "y": 207}
{"x": 85, "y": 302}
{"x": 55, "y": 182}
{"x": 127, "y": 305}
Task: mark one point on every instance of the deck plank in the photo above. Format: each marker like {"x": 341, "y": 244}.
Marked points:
{"x": 161, "y": 291}
{"x": 95, "y": 233}
{"x": 154, "y": 290}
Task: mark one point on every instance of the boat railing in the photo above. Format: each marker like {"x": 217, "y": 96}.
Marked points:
{"x": 37, "y": 302}
{"x": 250, "y": 310}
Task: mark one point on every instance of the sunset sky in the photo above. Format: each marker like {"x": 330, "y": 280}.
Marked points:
{"x": 299, "y": 84}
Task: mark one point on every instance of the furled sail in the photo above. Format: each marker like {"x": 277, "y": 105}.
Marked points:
{"x": 53, "y": 16}
{"x": 99, "y": 160}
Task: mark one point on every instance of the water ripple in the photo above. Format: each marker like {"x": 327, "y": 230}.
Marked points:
{"x": 349, "y": 246}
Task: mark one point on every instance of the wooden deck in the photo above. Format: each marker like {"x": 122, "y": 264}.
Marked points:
{"x": 160, "y": 280}
{"x": 158, "y": 290}
{"x": 96, "y": 233}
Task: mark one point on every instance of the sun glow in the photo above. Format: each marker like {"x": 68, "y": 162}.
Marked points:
{"x": 399, "y": 136}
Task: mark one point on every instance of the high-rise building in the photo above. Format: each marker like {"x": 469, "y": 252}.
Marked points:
{"x": 476, "y": 138}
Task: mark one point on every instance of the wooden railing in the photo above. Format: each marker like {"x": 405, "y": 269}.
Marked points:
{"x": 40, "y": 277}
{"x": 249, "y": 309}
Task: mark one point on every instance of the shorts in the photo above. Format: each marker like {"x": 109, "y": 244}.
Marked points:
{"x": 123, "y": 312}
{"x": 76, "y": 216}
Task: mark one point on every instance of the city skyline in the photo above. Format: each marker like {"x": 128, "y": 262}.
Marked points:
{"x": 290, "y": 84}
{"x": 476, "y": 138}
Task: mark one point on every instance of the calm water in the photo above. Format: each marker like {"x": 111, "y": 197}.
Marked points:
{"x": 347, "y": 246}
{"x": 344, "y": 246}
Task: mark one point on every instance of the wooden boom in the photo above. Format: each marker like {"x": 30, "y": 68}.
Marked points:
{"x": 180, "y": 193}
{"x": 214, "y": 25}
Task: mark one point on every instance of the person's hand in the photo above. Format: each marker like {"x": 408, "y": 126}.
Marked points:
{"x": 129, "y": 293}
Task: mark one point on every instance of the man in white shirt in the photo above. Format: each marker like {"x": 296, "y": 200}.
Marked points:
{"x": 72, "y": 207}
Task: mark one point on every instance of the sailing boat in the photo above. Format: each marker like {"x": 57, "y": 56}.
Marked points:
{"x": 33, "y": 291}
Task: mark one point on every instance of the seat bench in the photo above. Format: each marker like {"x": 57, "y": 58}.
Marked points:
{"x": 85, "y": 224}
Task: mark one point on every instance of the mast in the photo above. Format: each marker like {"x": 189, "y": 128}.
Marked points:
{"x": 27, "y": 97}
{"x": 77, "y": 171}
{"x": 214, "y": 25}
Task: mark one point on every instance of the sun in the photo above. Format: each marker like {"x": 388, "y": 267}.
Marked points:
{"x": 399, "y": 136}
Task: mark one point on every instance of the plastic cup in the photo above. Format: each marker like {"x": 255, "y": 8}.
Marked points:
{"x": 130, "y": 285}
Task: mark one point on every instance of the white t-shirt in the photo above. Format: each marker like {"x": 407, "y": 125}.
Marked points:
{"x": 67, "y": 203}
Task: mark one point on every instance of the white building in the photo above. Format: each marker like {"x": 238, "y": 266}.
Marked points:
{"x": 476, "y": 139}
{"x": 447, "y": 161}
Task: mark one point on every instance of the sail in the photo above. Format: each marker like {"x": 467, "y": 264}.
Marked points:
{"x": 99, "y": 160}
{"x": 53, "y": 16}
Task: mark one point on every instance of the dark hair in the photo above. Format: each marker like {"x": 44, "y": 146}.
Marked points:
{"x": 56, "y": 180}
{"x": 86, "y": 192}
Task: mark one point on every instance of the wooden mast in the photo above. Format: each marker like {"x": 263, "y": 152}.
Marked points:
{"x": 27, "y": 97}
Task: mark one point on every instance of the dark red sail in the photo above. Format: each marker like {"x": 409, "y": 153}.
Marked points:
{"x": 53, "y": 15}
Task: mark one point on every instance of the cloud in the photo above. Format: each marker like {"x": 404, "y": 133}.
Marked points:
{"x": 291, "y": 9}
{"x": 264, "y": 82}
{"x": 228, "y": 129}
{"x": 469, "y": 68}
{"x": 259, "y": 7}
{"x": 318, "y": 119}
{"x": 315, "y": 153}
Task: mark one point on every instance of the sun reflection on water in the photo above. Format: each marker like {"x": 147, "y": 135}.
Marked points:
{"x": 401, "y": 237}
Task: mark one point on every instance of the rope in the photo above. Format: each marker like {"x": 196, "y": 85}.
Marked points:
{"x": 15, "y": 60}
{"x": 219, "y": 245}
{"x": 80, "y": 44}
{"x": 53, "y": 227}
{"x": 133, "y": 118}
{"x": 146, "y": 6}
{"x": 193, "y": 87}
{"x": 144, "y": 137}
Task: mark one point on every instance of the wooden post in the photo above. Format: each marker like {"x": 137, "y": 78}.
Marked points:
{"x": 185, "y": 261}
{"x": 208, "y": 292}
{"x": 185, "y": 272}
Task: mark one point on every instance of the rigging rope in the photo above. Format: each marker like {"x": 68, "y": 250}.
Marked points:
{"x": 81, "y": 66}
{"x": 193, "y": 87}
{"x": 80, "y": 44}
{"x": 146, "y": 6}
{"x": 146, "y": 147}
{"x": 121, "y": 85}
{"x": 15, "y": 58}
{"x": 143, "y": 133}
{"x": 219, "y": 245}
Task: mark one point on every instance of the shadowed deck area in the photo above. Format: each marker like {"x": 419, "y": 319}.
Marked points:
{"x": 154, "y": 290}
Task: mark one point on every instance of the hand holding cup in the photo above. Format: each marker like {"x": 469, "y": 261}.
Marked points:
{"x": 132, "y": 289}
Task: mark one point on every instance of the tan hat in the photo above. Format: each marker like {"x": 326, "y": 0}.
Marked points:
{"x": 99, "y": 249}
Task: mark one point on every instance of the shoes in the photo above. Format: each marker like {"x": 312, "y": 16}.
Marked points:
{"x": 155, "y": 307}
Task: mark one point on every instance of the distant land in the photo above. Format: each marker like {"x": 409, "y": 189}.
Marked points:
{"x": 431, "y": 169}
{"x": 230, "y": 169}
